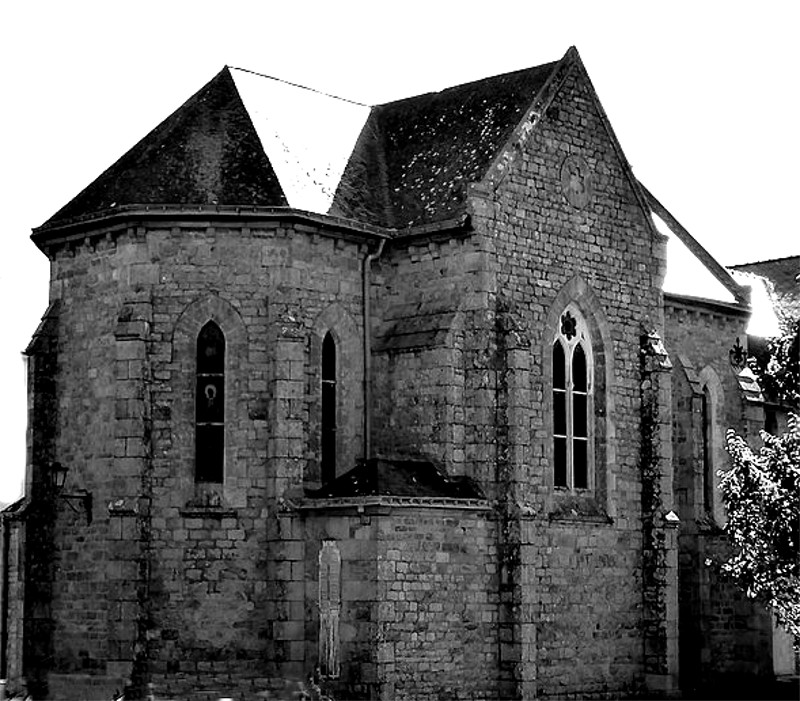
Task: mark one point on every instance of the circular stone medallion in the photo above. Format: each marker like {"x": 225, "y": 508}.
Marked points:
{"x": 576, "y": 181}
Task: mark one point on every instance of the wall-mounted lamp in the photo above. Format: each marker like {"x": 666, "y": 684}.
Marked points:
{"x": 57, "y": 478}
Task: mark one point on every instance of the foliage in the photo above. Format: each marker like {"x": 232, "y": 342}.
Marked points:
{"x": 762, "y": 493}
{"x": 779, "y": 371}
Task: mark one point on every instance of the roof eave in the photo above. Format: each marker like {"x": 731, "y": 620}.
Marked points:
{"x": 714, "y": 305}
{"x": 108, "y": 221}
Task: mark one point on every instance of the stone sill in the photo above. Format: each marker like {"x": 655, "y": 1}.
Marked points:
{"x": 598, "y": 519}
{"x": 207, "y": 512}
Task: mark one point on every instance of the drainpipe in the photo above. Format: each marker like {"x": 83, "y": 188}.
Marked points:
{"x": 368, "y": 259}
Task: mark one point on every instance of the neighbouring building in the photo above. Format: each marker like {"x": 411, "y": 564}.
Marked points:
{"x": 407, "y": 398}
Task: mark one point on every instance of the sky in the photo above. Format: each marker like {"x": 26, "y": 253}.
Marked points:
{"x": 702, "y": 96}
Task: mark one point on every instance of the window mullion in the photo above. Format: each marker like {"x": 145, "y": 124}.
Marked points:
{"x": 570, "y": 428}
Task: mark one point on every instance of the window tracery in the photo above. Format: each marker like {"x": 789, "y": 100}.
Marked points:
{"x": 572, "y": 403}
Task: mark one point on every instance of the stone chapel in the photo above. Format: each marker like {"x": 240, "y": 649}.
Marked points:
{"x": 407, "y": 400}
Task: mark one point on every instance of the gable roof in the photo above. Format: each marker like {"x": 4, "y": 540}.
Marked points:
{"x": 783, "y": 288}
{"x": 249, "y": 140}
{"x": 691, "y": 270}
{"x": 417, "y": 155}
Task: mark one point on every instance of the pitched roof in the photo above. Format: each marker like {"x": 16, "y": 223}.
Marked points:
{"x": 691, "y": 270}
{"x": 398, "y": 478}
{"x": 206, "y": 152}
{"x": 307, "y": 135}
{"x": 246, "y": 139}
{"x": 783, "y": 275}
{"x": 416, "y": 156}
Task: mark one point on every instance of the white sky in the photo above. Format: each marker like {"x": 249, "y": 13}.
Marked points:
{"x": 702, "y": 95}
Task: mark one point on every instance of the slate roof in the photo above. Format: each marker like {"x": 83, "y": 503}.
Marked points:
{"x": 416, "y": 156}
{"x": 783, "y": 275}
{"x": 250, "y": 140}
{"x": 206, "y": 152}
{"x": 398, "y": 478}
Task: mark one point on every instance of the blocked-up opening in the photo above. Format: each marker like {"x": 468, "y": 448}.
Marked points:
{"x": 330, "y": 576}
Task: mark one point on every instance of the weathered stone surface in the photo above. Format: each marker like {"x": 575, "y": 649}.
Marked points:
{"x": 536, "y": 590}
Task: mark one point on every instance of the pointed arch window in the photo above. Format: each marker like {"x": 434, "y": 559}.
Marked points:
{"x": 572, "y": 403}
{"x": 708, "y": 459}
{"x": 328, "y": 458}
{"x": 210, "y": 405}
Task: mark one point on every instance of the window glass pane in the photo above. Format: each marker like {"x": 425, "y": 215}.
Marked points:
{"x": 579, "y": 369}
{"x": 209, "y": 454}
{"x": 328, "y": 456}
{"x": 708, "y": 477}
{"x": 328, "y": 358}
{"x": 579, "y": 464}
{"x": 559, "y": 381}
{"x": 328, "y": 405}
{"x": 328, "y": 462}
{"x": 579, "y": 406}
{"x": 210, "y": 399}
{"x": 210, "y": 349}
{"x": 559, "y": 413}
{"x": 560, "y": 461}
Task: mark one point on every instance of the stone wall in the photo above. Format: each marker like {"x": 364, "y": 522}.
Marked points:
{"x": 549, "y": 249}
{"x": 437, "y": 604}
{"x": 14, "y": 575}
{"x": 722, "y": 634}
{"x": 353, "y": 535}
{"x": 428, "y": 294}
{"x": 540, "y": 591}
{"x": 186, "y": 567}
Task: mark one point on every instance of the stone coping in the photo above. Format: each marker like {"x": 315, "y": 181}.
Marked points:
{"x": 361, "y": 503}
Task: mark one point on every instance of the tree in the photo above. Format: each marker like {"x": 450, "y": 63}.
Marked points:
{"x": 778, "y": 370}
{"x": 762, "y": 494}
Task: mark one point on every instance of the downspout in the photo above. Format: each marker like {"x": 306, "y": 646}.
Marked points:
{"x": 368, "y": 259}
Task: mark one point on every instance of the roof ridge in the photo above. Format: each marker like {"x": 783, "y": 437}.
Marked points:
{"x": 298, "y": 85}
{"x": 467, "y": 83}
{"x": 766, "y": 260}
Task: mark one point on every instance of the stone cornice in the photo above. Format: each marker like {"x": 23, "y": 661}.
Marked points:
{"x": 120, "y": 218}
{"x": 108, "y": 220}
{"x": 703, "y": 305}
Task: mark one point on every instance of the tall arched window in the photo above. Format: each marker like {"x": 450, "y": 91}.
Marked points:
{"x": 210, "y": 405}
{"x": 572, "y": 403}
{"x": 328, "y": 461}
{"x": 710, "y": 453}
{"x": 708, "y": 447}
